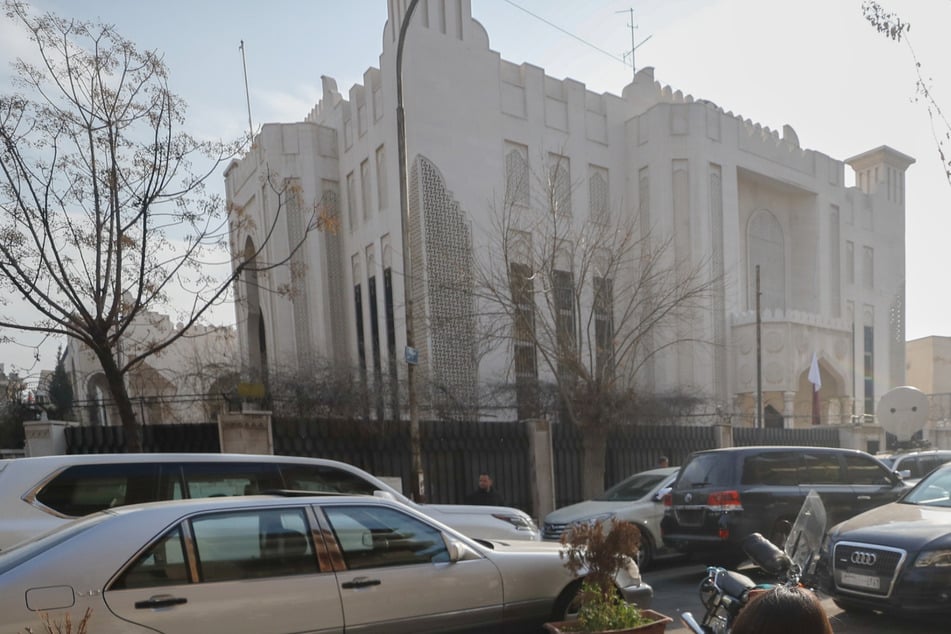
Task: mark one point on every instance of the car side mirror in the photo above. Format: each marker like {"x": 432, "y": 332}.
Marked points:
{"x": 904, "y": 474}
{"x": 659, "y": 496}
{"x": 458, "y": 551}
{"x": 386, "y": 495}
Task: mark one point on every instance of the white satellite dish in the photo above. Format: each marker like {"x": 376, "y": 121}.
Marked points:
{"x": 903, "y": 411}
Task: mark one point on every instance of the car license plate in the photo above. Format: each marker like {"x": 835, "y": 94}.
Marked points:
{"x": 860, "y": 581}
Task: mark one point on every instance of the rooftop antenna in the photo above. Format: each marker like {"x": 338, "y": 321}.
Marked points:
{"x": 634, "y": 46}
{"x": 247, "y": 94}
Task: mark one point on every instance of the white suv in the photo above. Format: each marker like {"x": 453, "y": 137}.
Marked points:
{"x": 37, "y": 494}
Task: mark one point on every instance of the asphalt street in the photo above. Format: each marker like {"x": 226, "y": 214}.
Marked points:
{"x": 675, "y": 586}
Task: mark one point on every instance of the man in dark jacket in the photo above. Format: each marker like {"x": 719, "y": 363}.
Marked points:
{"x": 485, "y": 495}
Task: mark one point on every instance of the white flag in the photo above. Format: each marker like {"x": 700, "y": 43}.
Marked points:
{"x": 814, "y": 377}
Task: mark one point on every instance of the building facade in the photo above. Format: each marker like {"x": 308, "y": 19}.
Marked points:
{"x": 190, "y": 381}
{"x": 805, "y": 264}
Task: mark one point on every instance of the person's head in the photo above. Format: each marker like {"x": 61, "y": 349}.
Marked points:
{"x": 783, "y": 610}
{"x": 663, "y": 462}
{"x": 485, "y": 481}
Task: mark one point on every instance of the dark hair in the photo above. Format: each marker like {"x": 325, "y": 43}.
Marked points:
{"x": 783, "y": 610}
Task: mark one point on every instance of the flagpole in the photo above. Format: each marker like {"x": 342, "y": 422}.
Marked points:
{"x": 758, "y": 420}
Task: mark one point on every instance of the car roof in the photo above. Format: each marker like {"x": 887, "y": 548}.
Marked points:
{"x": 101, "y": 458}
{"x": 771, "y": 448}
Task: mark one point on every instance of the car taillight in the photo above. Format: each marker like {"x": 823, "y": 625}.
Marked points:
{"x": 668, "y": 500}
{"x": 724, "y": 501}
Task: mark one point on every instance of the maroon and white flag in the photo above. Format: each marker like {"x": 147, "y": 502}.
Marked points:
{"x": 816, "y": 379}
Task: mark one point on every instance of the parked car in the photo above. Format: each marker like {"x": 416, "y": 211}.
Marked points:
{"x": 37, "y": 494}
{"x": 277, "y": 565}
{"x": 723, "y": 495}
{"x": 897, "y": 557}
{"x": 914, "y": 465}
{"x": 637, "y": 499}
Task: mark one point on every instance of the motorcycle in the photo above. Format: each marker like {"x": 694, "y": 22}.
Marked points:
{"x": 724, "y": 592}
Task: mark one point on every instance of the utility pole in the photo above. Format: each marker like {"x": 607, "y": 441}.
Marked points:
{"x": 419, "y": 486}
{"x": 759, "y": 358}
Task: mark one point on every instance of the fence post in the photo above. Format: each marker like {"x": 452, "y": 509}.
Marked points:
{"x": 723, "y": 435}
{"x": 245, "y": 432}
{"x": 541, "y": 467}
{"x": 45, "y": 437}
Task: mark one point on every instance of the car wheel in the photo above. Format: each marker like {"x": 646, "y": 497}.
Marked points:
{"x": 645, "y": 554}
{"x": 568, "y": 602}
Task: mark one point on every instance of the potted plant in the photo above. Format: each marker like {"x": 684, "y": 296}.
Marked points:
{"x": 601, "y": 551}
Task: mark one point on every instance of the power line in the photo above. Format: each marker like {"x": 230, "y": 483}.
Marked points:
{"x": 569, "y": 33}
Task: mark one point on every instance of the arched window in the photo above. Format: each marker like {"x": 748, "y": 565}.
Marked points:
{"x": 767, "y": 250}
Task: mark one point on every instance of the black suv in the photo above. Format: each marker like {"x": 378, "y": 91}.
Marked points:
{"x": 723, "y": 495}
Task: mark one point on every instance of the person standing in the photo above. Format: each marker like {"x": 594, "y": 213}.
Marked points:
{"x": 663, "y": 462}
{"x": 485, "y": 495}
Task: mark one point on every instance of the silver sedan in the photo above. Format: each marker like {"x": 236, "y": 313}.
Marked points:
{"x": 270, "y": 564}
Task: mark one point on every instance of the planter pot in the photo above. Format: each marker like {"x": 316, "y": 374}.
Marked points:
{"x": 655, "y": 627}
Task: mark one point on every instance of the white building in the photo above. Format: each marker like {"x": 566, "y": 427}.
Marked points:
{"x": 187, "y": 382}
{"x": 729, "y": 192}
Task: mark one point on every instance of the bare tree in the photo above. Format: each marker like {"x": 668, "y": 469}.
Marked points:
{"x": 893, "y": 27}
{"x": 589, "y": 300}
{"x": 104, "y": 212}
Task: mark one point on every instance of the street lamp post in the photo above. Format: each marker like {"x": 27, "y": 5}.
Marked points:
{"x": 419, "y": 490}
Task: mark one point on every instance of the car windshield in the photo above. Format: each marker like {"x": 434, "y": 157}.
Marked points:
{"x": 24, "y": 551}
{"x": 934, "y": 490}
{"x": 633, "y": 488}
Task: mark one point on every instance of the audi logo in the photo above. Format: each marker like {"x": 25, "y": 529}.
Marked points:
{"x": 862, "y": 558}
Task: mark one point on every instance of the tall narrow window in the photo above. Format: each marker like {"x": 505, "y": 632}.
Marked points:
{"x": 604, "y": 326}
{"x": 869, "y": 370}
{"x": 389, "y": 312}
{"x": 351, "y": 201}
{"x": 525, "y": 361}
{"x": 598, "y": 193}
{"x": 365, "y": 188}
{"x": 868, "y": 268}
{"x": 559, "y": 184}
{"x": 850, "y": 262}
{"x": 563, "y": 285}
{"x": 375, "y": 347}
{"x": 516, "y": 175}
{"x": 361, "y": 338}
{"x": 380, "y": 178}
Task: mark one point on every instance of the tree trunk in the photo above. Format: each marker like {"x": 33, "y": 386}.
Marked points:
{"x": 594, "y": 442}
{"x": 120, "y": 396}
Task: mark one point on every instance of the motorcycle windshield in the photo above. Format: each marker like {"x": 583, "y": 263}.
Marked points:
{"x": 805, "y": 538}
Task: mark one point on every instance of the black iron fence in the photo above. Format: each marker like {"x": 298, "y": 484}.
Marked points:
{"x": 455, "y": 453}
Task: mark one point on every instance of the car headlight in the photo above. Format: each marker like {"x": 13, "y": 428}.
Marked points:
{"x": 937, "y": 558}
{"x": 521, "y": 522}
{"x": 604, "y": 518}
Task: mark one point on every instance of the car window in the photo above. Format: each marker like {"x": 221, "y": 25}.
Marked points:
{"x": 861, "y": 469}
{"x": 633, "y": 488}
{"x": 214, "y": 479}
{"x": 707, "y": 469}
{"x": 776, "y": 468}
{"x": 324, "y": 479}
{"x": 161, "y": 565}
{"x": 821, "y": 468}
{"x": 251, "y": 544}
{"x": 373, "y": 536}
{"x": 83, "y": 489}
{"x": 934, "y": 490}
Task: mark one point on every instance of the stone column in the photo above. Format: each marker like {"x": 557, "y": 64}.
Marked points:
{"x": 541, "y": 467}
{"x": 789, "y": 410}
{"x": 45, "y": 437}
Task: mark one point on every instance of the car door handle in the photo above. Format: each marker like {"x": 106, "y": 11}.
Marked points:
{"x": 160, "y": 601}
{"x": 360, "y": 582}
{"x": 865, "y": 497}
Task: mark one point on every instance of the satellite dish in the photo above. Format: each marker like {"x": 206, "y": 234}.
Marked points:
{"x": 903, "y": 411}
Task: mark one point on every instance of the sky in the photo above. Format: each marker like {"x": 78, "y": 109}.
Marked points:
{"x": 816, "y": 65}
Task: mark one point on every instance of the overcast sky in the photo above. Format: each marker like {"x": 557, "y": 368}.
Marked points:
{"x": 816, "y": 65}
